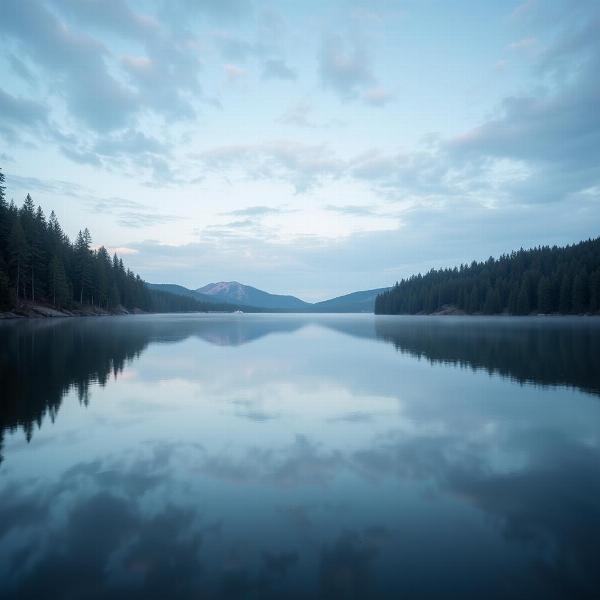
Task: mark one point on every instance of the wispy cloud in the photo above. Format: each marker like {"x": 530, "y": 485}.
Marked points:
{"x": 278, "y": 69}
{"x": 256, "y": 211}
{"x": 378, "y": 96}
{"x": 300, "y": 164}
{"x": 345, "y": 66}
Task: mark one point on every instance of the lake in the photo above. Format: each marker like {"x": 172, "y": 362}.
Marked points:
{"x": 293, "y": 456}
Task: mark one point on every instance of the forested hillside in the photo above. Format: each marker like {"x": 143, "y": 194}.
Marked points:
{"x": 541, "y": 280}
{"x": 39, "y": 264}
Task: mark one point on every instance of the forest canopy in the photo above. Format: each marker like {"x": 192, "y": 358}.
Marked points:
{"x": 39, "y": 264}
{"x": 546, "y": 280}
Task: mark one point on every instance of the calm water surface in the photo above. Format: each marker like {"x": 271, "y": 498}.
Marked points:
{"x": 260, "y": 456}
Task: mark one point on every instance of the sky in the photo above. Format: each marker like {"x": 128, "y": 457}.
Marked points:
{"x": 313, "y": 148}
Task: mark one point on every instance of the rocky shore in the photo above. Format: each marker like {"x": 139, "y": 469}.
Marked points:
{"x": 28, "y": 310}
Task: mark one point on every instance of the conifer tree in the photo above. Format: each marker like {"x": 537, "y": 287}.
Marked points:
{"x": 18, "y": 252}
{"x": 38, "y": 262}
{"x": 580, "y": 292}
{"x": 544, "y": 279}
{"x": 59, "y": 284}
{"x": 545, "y": 302}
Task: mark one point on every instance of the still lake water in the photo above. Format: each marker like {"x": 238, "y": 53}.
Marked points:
{"x": 283, "y": 456}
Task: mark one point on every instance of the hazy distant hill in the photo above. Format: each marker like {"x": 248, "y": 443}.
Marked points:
{"x": 211, "y": 302}
{"x": 234, "y": 295}
{"x": 233, "y": 292}
{"x": 179, "y": 290}
{"x": 363, "y": 301}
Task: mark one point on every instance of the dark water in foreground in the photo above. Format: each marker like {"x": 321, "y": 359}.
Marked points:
{"x": 258, "y": 456}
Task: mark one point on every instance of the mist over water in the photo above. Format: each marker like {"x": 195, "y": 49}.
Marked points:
{"x": 269, "y": 456}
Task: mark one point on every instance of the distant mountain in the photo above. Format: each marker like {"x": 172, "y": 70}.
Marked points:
{"x": 179, "y": 290}
{"x": 231, "y": 295}
{"x": 233, "y": 292}
{"x": 210, "y": 302}
{"x": 363, "y": 301}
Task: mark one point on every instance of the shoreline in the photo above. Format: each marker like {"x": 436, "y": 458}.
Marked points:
{"x": 43, "y": 311}
{"x": 38, "y": 311}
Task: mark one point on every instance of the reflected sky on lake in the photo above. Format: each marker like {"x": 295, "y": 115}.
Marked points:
{"x": 262, "y": 456}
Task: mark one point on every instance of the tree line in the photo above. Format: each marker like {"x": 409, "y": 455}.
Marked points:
{"x": 40, "y": 264}
{"x": 546, "y": 280}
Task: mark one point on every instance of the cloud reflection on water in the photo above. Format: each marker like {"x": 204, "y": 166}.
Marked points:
{"x": 343, "y": 502}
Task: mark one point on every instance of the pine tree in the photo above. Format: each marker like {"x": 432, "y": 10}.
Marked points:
{"x": 59, "y": 285}
{"x": 4, "y": 216}
{"x": 524, "y": 298}
{"x": 5, "y": 291}
{"x": 37, "y": 260}
{"x": 580, "y": 292}
{"x": 595, "y": 291}
{"x": 565, "y": 298}
{"x": 492, "y": 302}
{"x": 82, "y": 264}
{"x": 540, "y": 279}
{"x": 114, "y": 298}
{"x": 38, "y": 254}
{"x": 545, "y": 300}
{"x": 2, "y": 187}
{"x": 18, "y": 252}
{"x": 473, "y": 305}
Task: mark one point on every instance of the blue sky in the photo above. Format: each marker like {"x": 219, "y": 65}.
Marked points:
{"x": 313, "y": 148}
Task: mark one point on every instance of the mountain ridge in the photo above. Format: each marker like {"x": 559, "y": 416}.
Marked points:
{"x": 235, "y": 292}
{"x": 245, "y": 297}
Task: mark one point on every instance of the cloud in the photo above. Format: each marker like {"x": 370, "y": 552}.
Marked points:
{"x": 121, "y": 250}
{"x": 299, "y": 115}
{"x": 378, "y": 96}
{"x": 127, "y": 212}
{"x": 353, "y": 210}
{"x": 95, "y": 501}
{"x": 127, "y": 149}
{"x": 530, "y": 504}
{"x": 344, "y": 66}
{"x": 234, "y": 73}
{"x": 138, "y": 219}
{"x": 18, "y": 114}
{"x": 165, "y": 79}
{"x": 237, "y": 49}
{"x": 555, "y": 134}
{"x": 256, "y": 211}
{"x": 523, "y": 44}
{"x": 278, "y": 69}
{"x": 238, "y": 224}
{"x": 21, "y": 69}
{"x": 300, "y": 463}
{"x": 128, "y": 143}
{"x": 221, "y": 11}
{"x": 302, "y": 165}
{"x": 34, "y": 184}
{"x": 346, "y": 567}
{"x": 73, "y": 62}
{"x": 106, "y": 95}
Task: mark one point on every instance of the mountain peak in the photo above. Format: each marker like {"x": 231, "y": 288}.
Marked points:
{"x": 237, "y": 293}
